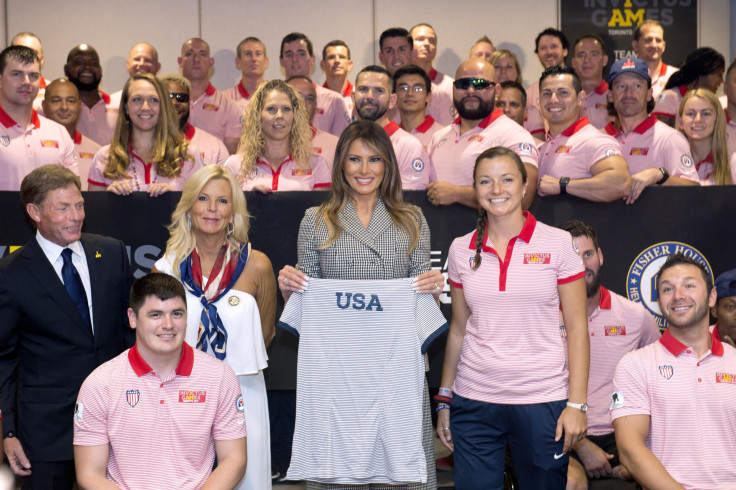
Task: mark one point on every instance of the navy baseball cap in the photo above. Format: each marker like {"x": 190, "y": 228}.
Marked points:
{"x": 726, "y": 284}
{"x": 629, "y": 65}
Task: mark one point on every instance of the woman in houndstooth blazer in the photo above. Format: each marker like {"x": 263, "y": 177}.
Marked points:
{"x": 366, "y": 231}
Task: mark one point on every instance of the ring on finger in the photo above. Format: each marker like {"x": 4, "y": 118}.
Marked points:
{"x": 286, "y": 280}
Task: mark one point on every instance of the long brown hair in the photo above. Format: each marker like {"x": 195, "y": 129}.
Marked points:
{"x": 170, "y": 146}
{"x": 405, "y": 215}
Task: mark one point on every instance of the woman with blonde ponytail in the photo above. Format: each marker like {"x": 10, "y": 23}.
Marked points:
{"x": 505, "y": 377}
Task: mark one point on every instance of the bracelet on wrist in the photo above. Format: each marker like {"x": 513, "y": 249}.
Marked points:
{"x": 442, "y": 407}
{"x": 443, "y": 399}
{"x": 445, "y": 392}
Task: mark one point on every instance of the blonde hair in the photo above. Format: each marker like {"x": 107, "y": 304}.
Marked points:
{"x": 405, "y": 215}
{"x": 169, "y": 147}
{"x": 181, "y": 237}
{"x": 721, "y": 167}
{"x": 499, "y": 54}
{"x": 253, "y": 143}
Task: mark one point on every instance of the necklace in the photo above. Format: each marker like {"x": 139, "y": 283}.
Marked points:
{"x": 145, "y": 166}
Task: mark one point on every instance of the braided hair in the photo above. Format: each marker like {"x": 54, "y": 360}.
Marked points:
{"x": 480, "y": 229}
{"x": 700, "y": 63}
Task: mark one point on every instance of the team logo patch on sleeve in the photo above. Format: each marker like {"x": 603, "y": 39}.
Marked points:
{"x": 79, "y": 412}
{"x": 192, "y": 396}
{"x": 686, "y": 161}
{"x": 666, "y": 371}
{"x": 417, "y": 164}
{"x": 617, "y": 400}
{"x": 537, "y": 258}
{"x": 240, "y": 404}
{"x": 132, "y": 397}
{"x": 49, "y": 143}
{"x": 611, "y": 152}
{"x": 615, "y": 330}
{"x": 726, "y": 378}
{"x": 525, "y": 148}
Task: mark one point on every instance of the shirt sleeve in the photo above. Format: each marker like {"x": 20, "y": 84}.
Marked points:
{"x": 413, "y": 162}
{"x": 229, "y": 420}
{"x": 307, "y": 254}
{"x": 68, "y": 159}
{"x": 649, "y": 329}
{"x": 291, "y": 317}
{"x": 677, "y": 158}
{"x": 321, "y": 173}
{"x": 96, "y": 175}
{"x": 340, "y": 116}
{"x": 454, "y": 275}
{"x": 570, "y": 265}
{"x": 523, "y": 145}
{"x": 630, "y": 395}
{"x": 90, "y": 412}
{"x": 419, "y": 259}
{"x": 234, "y": 127}
{"x": 667, "y": 103}
{"x": 430, "y": 321}
{"x": 601, "y": 146}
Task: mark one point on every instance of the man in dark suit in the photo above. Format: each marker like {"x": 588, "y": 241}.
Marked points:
{"x": 63, "y": 298}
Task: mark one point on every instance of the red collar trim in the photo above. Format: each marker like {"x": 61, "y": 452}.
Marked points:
{"x": 348, "y": 90}
{"x": 490, "y": 119}
{"x": 605, "y": 301}
{"x": 611, "y": 130}
{"x": 189, "y": 132}
{"x": 728, "y": 118}
{"x": 34, "y": 119}
{"x": 646, "y": 124}
{"x": 77, "y": 137}
{"x": 527, "y": 230}
{"x": 424, "y": 127}
{"x": 391, "y": 128}
{"x": 210, "y": 89}
{"x": 241, "y": 89}
{"x": 433, "y": 75}
{"x": 663, "y": 70}
{"x": 105, "y": 97}
{"x": 314, "y": 131}
{"x": 261, "y": 161}
{"x": 42, "y": 82}
{"x": 602, "y": 88}
{"x": 141, "y": 367}
{"x": 676, "y": 347}
{"x": 683, "y": 89}
{"x": 6, "y": 120}
{"x": 576, "y": 126}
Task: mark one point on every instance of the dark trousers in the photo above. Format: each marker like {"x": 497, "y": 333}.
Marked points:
{"x": 50, "y": 475}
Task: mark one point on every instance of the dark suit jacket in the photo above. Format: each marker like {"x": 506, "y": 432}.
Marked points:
{"x": 47, "y": 349}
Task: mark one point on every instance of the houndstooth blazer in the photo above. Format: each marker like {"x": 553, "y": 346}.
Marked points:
{"x": 380, "y": 251}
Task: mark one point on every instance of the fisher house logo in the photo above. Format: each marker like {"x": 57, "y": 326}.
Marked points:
{"x": 642, "y": 277}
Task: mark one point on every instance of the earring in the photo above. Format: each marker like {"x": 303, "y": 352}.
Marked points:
{"x": 189, "y": 222}
{"x": 523, "y": 193}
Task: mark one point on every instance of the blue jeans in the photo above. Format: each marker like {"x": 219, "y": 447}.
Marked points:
{"x": 481, "y": 431}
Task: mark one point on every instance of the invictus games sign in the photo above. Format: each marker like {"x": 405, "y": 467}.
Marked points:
{"x": 616, "y": 20}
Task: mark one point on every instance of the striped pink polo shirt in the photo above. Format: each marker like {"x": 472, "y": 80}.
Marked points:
{"x": 513, "y": 350}
{"x": 692, "y": 405}
{"x": 161, "y": 431}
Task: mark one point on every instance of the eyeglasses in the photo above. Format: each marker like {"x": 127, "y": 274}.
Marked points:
{"x": 477, "y": 83}
{"x": 415, "y": 88}
{"x": 179, "y": 96}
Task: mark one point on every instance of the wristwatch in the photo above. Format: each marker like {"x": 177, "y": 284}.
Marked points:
{"x": 583, "y": 407}
{"x": 665, "y": 176}
{"x": 563, "y": 185}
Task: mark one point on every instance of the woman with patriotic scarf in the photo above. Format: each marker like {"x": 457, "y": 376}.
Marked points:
{"x": 231, "y": 296}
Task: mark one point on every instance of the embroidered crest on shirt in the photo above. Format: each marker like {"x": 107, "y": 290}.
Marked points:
{"x": 666, "y": 371}
{"x": 83, "y": 154}
{"x": 563, "y": 149}
{"x": 132, "y": 397}
{"x": 686, "y": 161}
{"x": 617, "y": 400}
{"x": 615, "y": 330}
{"x": 240, "y": 404}
{"x": 477, "y": 138}
{"x": 417, "y": 164}
{"x": 726, "y": 378}
{"x": 299, "y": 171}
{"x": 192, "y": 396}
{"x": 639, "y": 151}
{"x": 233, "y": 301}
{"x": 317, "y": 150}
{"x": 5, "y": 139}
{"x": 611, "y": 152}
{"x": 525, "y": 148}
{"x": 537, "y": 258}
{"x": 49, "y": 143}
{"x": 210, "y": 107}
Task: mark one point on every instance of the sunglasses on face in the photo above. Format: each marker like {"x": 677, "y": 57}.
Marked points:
{"x": 477, "y": 83}
{"x": 179, "y": 96}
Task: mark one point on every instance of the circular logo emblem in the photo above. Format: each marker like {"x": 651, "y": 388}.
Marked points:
{"x": 233, "y": 301}
{"x": 687, "y": 161}
{"x": 641, "y": 281}
{"x": 239, "y": 404}
{"x": 610, "y": 152}
{"x": 525, "y": 147}
{"x": 417, "y": 164}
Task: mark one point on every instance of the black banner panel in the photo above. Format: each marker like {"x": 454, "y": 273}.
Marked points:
{"x": 634, "y": 239}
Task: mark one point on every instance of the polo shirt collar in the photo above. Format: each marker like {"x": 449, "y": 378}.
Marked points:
{"x": 241, "y": 89}
{"x": 189, "y": 132}
{"x": 391, "y": 128}
{"x": 9, "y": 122}
{"x": 676, "y": 347}
{"x": 605, "y": 301}
{"x": 611, "y": 130}
{"x": 210, "y": 90}
{"x": 345, "y": 93}
{"x": 602, "y": 88}
{"x": 41, "y": 82}
{"x": 490, "y": 119}
{"x": 141, "y": 367}
{"x": 433, "y": 74}
{"x": 663, "y": 70}
{"x": 682, "y": 89}
{"x": 642, "y": 128}
{"x": 576, "y": 126}
{"x": 105, "y": 97}
{"x": 77, "y": 137}
{"x": 530, "y": 223}
{"x": 708, "y": 159}
{"x": 424, "y": 127}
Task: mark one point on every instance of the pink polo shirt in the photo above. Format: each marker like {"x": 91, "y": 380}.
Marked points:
{"x": 142, "y": 173}
{"x": 331, "y": 114}
{"x": 616, "y": 327}
{"x": 595, "y": 106}
{"x": 287, "y": 177}
{"x": 205, "y": 147}
{"x": 453, "y": 155}
{"x": 513, "y": 350}
{"x": 574, "y": 151}
{"x": 98, "y": 122}
{"x": 161, "y": 428}
{"x": 216, "y": 114}
{"x": 23, "y": 150}
{"x": 441, "y": 107}
{"x": 238, "y": 94}
{"x": 410, "y": 155}
{"x": 691, "y": 402}
{"x": 730, "y": 135}
{"x": 324, "y": 144}
{"x": 84, "y": 150}
{"x": 346, "y": 96}
{"x": 425, "y": 131}
{"x": 668, "y": 102}
{"x": 38, "y": 101}
{"x": 660, "y": 79}
{"x": 653, "y": 144}
{"x": 115, "y": 99}
{"x": 534, "y": 122}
